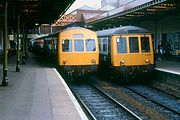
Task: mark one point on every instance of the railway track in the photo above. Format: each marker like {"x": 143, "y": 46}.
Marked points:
{"x": 100, "y": 105}
{"x": 104, "y": 99}
{"x": 167, "y": 83}
{"x": 157, "y": 97}
{"x": 166, "y": 87}
{"x": 143, "y": 106}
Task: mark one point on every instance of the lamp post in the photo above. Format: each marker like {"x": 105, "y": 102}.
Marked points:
{"x": 5, "y": 50}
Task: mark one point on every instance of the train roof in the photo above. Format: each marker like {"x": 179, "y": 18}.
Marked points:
{"x": 60, "y": 31}
{"x": 73, "y": 28}
{"x": 122, "y": 30}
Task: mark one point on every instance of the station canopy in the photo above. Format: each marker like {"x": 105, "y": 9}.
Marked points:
{"x": 123, "y": 15}
{"x": 35, "y": 11}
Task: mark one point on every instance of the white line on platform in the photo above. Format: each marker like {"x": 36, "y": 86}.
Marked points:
{"x": 73, "y": 99}
{"x": 168, "y": 71}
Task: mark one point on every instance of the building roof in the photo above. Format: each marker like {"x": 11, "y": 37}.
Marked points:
{"x": 89, "y": 15}
{"x": 85, "y": 7}
{"x": 107, "y": 8}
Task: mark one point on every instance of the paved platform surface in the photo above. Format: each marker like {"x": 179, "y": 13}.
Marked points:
{"x": 168, "y": 66}
{"x": 37, "y": 93}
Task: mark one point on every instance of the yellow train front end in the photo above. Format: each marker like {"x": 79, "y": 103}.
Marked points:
{"x": 132, "y": 53}
{"x": 78, "y": 52}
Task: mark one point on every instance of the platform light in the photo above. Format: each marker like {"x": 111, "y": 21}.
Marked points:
{"x": 151, "y": 10}
{"x": 36, "y": 24}
{"x": 160, "y": 7}
{"x": 129, "y": 15}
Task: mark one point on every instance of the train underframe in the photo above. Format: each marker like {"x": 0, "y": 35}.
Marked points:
{"x": 125, "y": 73}
{"x": 80, "y": 70}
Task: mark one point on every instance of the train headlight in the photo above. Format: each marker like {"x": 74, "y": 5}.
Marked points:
{"x": 147, "y": 61}
{"x": 64, "y": 62}
{"x": 93, "y": 61}
{"x": 122, "y": 61}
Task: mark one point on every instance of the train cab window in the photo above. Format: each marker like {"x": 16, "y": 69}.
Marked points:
{"x": 79, "y": 45}
{"x": 105, "y": 43}
{"x": 145, "y": 44}
{"x": 78, "y": 36}
{"x": 90, "y": 45}
{"x": 121, "y": 45}
{"x": 133, "y": 43}
{"x": 67, "y": 45}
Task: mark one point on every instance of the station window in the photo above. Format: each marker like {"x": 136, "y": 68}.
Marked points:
{"x": 90, "y": 45}
{"x": 79, "y": 45}
{"x": 133, "y": 43}
{"x": 121, "y": 45}
{"x": 105, "y": 43}
{"x": 145, "y": 44}
{"x": 67, "y": 45}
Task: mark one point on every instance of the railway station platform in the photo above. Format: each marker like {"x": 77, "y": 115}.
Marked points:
{"x": 168, "y": 66}
{"x": 37, "y": 92}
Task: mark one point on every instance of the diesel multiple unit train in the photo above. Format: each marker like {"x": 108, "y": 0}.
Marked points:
{"x": 123, "y": 52}
{"x": 126, "y": 51}
{"x": 76, "y": 49}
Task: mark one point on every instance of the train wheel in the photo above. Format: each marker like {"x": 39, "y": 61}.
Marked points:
{"x": 125, "y": 77}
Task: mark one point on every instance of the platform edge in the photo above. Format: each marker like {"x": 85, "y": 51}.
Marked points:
{"x": 73, "y": 99}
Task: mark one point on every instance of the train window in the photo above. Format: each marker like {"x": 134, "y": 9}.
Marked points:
{"x": 78, "y": 36}
{"x": 145, "y": 44}
{"x": 67, "y": 45}
{"x": 90, "y": 45}
{"x": 121, "y": 45}
{"x": 133, "y": 43}
{"x": 79, "y": 45}
{"x": 105, "y": 49}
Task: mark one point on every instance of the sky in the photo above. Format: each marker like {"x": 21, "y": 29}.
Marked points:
{"x": 79, "y": 3}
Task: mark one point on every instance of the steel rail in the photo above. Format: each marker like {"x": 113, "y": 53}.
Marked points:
{"x": 132, "y": 113}
{"x": 177, "y": 112}
{"x": 87, "y": 110}
{"x": 166, "y": 92}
